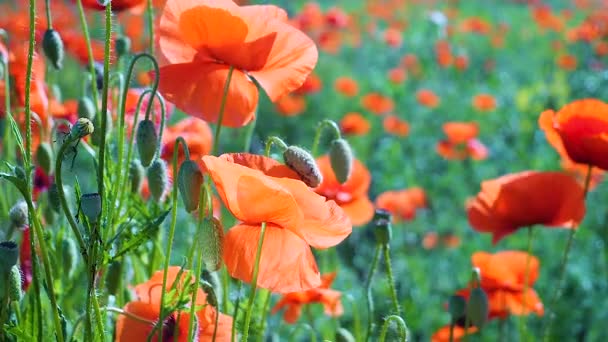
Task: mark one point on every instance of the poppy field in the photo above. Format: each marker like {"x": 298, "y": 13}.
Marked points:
{"x": 366, "y": 170}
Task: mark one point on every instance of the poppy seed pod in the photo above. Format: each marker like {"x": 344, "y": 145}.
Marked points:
{"x": 213, "y": 279}
{"x": 189, "y": 180}
{"x": 478, "y": 307}
{"x": 304, "y": 165}
{"x": 383, "y": 231}
{"x": 212, "y": 243}
{"x": 82, "y": 128}
{"x": 136, "y": 175}
{"x": 9, "y": 254}
{"x": 44, "y": 157}
{"x": 158, "y": 179}
{"x": 53, "y": 197}
{"x": 209, "y": 290}
{"x": 457, "y": 306}
{"x": 343, "y": 335}
{"x": 122, "y": 45}
{"x": 52, "y": 45}
{"x": 14, "y": 284}
{"x": 18, "y": 214}
{"x": 113, "y": 277}
{"x": 341, "y": 159}
{"x": 146, "y": 141}
{"x": 86, "y": 108}
{"x": 69, "y": 253}
{"x": 90, "y": 205}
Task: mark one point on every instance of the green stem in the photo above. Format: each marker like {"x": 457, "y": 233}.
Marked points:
{"x": 391, "y": 280}
{"x": 274, "y": 140}
{"x": 87, "y": 40}
{"x": 452, "y": 323}
{"x": 265, "y": 309}
{"x": 49, "y": 19}
{"x": 28, "y": 86}
{"x": 220, "y": 118}
{"x": 313, "y": 334}
{"x": 236, "y": 308}
{"x": 356, "y": 318}
{"x": 254, "y": 283}
{"x": 322, "y": 125}
{"x": 368, "y": 292}
{"x": 400, "y": 323}
{"x": 150, "y": 13}
{"x": 199, "y": 262}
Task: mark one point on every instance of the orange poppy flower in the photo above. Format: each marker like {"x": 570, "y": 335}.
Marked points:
{"x": 346, "y": 86}
{"x": 443, "y": 53}
{"x": 402, "y": 204}
{"x": 427, "y": 98}
{"x": 432, "y": 240}
{"x": 354, "y": 124}
{"x": 484, "y": 102}
{"x": 567, "y": 62}
{"x": 461, "y": 142}
{"x": 147, "y": 308}
{"x": 330, "y": 41}
{"x": 258, "y": 189}
{"x": 117, "y": 5}
{"x": 336, "y": 17}
{"x": 396, "y": 126}
{"x": 397, "y": 75}
{"x": 351, "y": 196}
{"x": 377, "y": 103}
{"x": 256, "y": 40}
{"x": 312, "y": 84}
{"x": 461, "y": 62}
{"x": 524, "y": 199}
{"x": 393, "y": 37}
{"x": 291, "y": 105}
{"x": 411, "y": 63}
{"x": 196, "y": 133}
{"x": 581, "y": 129}
{"x": 293, "y": 302}
{"x": 601, "y": 48}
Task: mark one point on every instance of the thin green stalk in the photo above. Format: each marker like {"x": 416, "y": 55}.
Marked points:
{"x": 452, "y": 323}
{"x": 254, "y": 283}
{"x": 28, "y": 86}
{"x": 368, "y": 292}
{"x": 236, "y": 309}
{"x": 265, "y": 309}
{"x": 87, "y": 40}
{"x": 273, "y": 140}
{"x": 49, "y": 19}
{"x": 104, "y": 106}
{"x": 391, "y": 280}
{"x": 400, "y": 323}
{"x": 220, "y": 118}
{"x": 322, "y": 125}
{"x": 150, "y": 13}
{"x": 169, "y": 239}
{"x": 356, "y": 318}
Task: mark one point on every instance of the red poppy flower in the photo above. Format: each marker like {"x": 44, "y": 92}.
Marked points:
{"x": 147, "y": 308}
{"x": 293, "y": 302}
{"x": 117, "y": 5}
{"x": 312, "y": 84}
{"x": 461, "y": 142}
{"x": 402, "y": 203}
{"x": 524, "y": 199}
{"x": 201, "y": 39}
{"x": 377, "y": 103}
{"x": 484, "y": 102}
{"x": 354, "y": 124}
{"x": 397, "y": 75}
{"x": 567, "y": 62}
{"x": 427, "y": 98}
{"x": 257, "y": 189}
{"x": 291, "y": 105}
{"x": 351, "y": 196}
{"x": 394, "y": 125}
{"x": 346, "y": 86}
{"x": 582, "y": 127}
{"x": 461, "y": 62}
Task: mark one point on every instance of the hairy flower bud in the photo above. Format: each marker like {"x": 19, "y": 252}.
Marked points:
{"x": 136, "y": 175}
{"x": 122, "y": 45}
{"x": 86, "y": 108}
{"x": 457, "y": 306}
{"x": 146, "y": 141}
{"x": 53, "y": 197}
{"x": 18, "y": 214}
{"x": 82, "y": 128}
{"x": 212, "y": 243}
{"x": 210, "y": 291}
{"x": 52, "y": 45}
{"x": 341, "y": 159}
{"x": 14, "y": 284}
{"x": 382, "y": 226}
{"x": 113, "y": 277}
{"x": 90, "y": 204}
{"x": 99, "y": 75}
{"x": 478, "y": 307}
{"x": 9, "y": 254}
{"x": 158, "y": 179}
{"x": 189, "y": 181}
{"x": 44, "y": 157}
{"x": 213, "y": 279}
{"x": 304, "y": 165}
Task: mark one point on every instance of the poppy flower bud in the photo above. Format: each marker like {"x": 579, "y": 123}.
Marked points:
{"x": 136, "y": 175}
{"x": 122, "y": 45}
{"x": 189, "y": 180}
{"x": 212, "y": 243}
{"x": 158, "y": 179}
{"x": 341, "y": 159}
{"x": 209, "y": 290}
{"x": 53, "y": 197}
{"x": 44, "y": 157}
{"x": 9, "y": 254}
{"x": 91, "y": 206}
{"x": 14, "y": 284}
{"x": 69, "y": 254}
{"x": 304, "y": 165}
{"x": 82, "y": 128}
{"x": 18, "y": 214}
{"x": 478, "y": 307}
{"x": 52, "y": 45}
{"x": 113, "y": 277}
{"x": 343, "y": 335}
{"x": 146, "y": 141}
{"x": 383, "y": 231}
{"x": 457, "y": 306}
{"x": 99, "y": 75}
{"x": 476, "y": 275}
{"x": 214, "y": 280}
{"x": 86, "y": 108}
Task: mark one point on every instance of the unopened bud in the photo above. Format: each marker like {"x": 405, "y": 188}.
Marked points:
{"x": 457, "y": 306}
{"x": 341, "y": 159}
{"x": 86, "y": 108}
{"x": 304, "y": 165}
{"x": 14, "y": 284}
{"x": 82, "y": 128}
{"x": 136, "y": 175}
{"x": 99, "y": 75}
{"x": 476, "y": 275}
{"x": 213, "y": 279}
{"x": 52, "y": 45}
{"x": 210, "y": 291}
{"x": 9, "y": 254}
{"x": 44, "y": 157}
{"x": 146, "y": 141}
{"x": 113, "y": 277}
{"x": 90, "y": 205}
{"x": 122, "y": 45}
{"x": 18, "y": 214}
{"x": 478, "y": 307}
{"x": 189, "y": 181}
{"x": 69, "y": 255}
{"x": 343, "y": 335}
{"x": 212, "y": 243}
{"x": 382, "y": 226}
{"x": 158, "y": 179}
